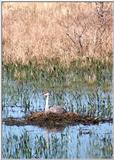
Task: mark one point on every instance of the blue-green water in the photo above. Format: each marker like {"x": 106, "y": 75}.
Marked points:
{"x": 79, "y": 141}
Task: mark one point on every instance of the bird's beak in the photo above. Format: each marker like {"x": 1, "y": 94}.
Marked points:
{"x": 44, "y": 93}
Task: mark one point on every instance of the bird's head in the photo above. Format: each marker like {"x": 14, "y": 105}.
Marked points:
{"x": 46, "y": 93}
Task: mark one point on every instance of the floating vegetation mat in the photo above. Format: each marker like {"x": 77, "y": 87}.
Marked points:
{"x": 51, "y": 120}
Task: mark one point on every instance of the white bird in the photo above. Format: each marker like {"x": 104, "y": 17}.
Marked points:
{"x": 54, "y": 109}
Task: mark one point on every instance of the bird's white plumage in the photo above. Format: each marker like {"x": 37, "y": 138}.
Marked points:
{"x": 54, "y": 109}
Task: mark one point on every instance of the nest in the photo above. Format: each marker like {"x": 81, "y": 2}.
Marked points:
{"x": 53, "y": 120}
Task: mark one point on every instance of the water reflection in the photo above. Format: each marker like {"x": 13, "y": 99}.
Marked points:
{"x": 34, "y": 142}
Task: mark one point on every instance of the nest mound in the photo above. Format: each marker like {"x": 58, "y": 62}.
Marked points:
{"x": 52, "y": 120}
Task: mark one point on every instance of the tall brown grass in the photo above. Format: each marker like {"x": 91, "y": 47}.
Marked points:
{"x": 68, "y": 30}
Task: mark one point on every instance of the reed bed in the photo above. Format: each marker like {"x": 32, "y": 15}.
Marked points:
{"x": 67, "y": 31}
{"x": 86, "y": 96}
{"x": 54, "y": 73}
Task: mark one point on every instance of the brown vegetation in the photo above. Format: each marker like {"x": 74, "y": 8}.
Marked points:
{"x": 35, "y": 31}
{"x": 54, "y": 120}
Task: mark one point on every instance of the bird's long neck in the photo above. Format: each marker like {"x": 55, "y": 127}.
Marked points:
{"x": 47, "y": 106}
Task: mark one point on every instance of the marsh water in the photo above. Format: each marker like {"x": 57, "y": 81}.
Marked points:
{"x": 20, "y": 97}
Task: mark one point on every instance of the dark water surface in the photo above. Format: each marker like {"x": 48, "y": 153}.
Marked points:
{"x": 19, "y": 98}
